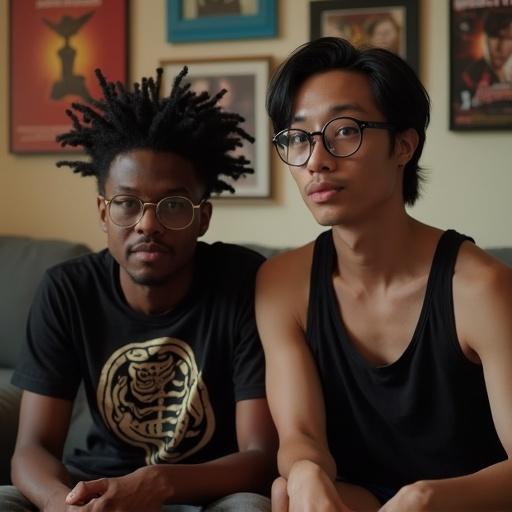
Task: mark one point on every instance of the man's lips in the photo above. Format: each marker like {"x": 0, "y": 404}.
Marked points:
{"x": 149, "y": 251}
{"x": 322, "y": 192}
{"x": 149, "y": 247}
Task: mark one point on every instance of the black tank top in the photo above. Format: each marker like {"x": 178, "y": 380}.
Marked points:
{"x": 423, "y": 416}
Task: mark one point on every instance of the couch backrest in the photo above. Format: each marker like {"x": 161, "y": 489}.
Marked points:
{"x": 502, "y": 253}
{"x": 23, "y": 261}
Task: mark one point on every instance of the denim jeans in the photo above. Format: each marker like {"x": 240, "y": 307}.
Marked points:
{"x": 11, "y": 500}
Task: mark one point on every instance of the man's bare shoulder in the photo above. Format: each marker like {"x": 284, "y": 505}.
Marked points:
{"x": 282, "y": 290}
{"x": 476, "y": 270}
{"x": 482, "y": 294}
{"x": 292, "y": 266}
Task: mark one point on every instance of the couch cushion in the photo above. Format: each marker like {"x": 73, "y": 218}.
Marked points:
{"x": 22, "y": 264}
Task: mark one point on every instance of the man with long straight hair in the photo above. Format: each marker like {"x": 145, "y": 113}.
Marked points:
{"x": 388, "y": 342}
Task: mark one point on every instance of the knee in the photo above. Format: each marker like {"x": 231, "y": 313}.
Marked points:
{"x": 13, "y": 501}
{"x": 241, "y": 502}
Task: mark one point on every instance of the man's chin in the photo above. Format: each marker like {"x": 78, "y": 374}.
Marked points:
{"x": 328, "y": 220}
{"x": 149, "y": 280}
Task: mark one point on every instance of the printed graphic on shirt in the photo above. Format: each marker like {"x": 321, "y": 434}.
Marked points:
{"x": 152, "y": 396}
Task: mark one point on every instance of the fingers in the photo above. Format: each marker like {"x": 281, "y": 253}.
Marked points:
{"x": 279, "y": 495}
{"x": 83, "y": 492}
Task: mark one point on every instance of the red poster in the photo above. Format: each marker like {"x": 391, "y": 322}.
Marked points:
{"x": 481, "y": 64}
{"x": 55, "y": 47}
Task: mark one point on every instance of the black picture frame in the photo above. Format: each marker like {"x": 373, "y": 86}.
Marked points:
{"x": 480, "y": 82}
{"x": 354, "y": 19}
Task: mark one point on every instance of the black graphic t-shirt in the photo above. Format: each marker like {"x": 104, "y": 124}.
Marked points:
{"x": 163, "y": 388}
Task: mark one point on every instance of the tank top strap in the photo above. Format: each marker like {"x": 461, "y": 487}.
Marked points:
{"x": 439, "y": 295}
{"x": 443, "y": 264}
{"x": 320, "y": 276}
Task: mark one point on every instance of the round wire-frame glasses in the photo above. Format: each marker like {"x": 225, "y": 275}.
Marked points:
{"x": 173, "y": 212}
{"x": 341, "y": 137}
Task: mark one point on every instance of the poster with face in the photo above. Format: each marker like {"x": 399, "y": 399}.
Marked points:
{"x": 481, "y": 64}
{"x": 379, "y": 27}
{"x": 392, "y": 25}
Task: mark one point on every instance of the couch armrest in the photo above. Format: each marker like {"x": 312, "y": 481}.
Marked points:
{"x": 23, "y": 261}
{"x": 9, "y": 411}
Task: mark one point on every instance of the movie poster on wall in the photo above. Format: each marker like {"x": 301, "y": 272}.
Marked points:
{"x": 55, "y": 46}
{"x": 481, "y": 64}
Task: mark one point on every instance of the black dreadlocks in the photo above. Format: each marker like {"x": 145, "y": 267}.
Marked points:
{"x": 189, "y": 124}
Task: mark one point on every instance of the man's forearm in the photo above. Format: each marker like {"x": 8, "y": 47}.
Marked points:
{"x": 487, "y": 490}
{"x": 247, "y": 471}
{"x": 39, "y": 475}
{"x": 294, "y": 451}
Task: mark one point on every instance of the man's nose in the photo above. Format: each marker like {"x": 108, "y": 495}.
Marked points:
{"x": 320, "y": 159}
{"x": 149, "y": 222}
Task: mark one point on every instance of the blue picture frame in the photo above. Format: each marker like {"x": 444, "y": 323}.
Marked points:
{"x": 215, "y": 28}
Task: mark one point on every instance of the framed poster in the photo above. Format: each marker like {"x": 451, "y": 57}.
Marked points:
{"x": 480, "y": 65}
{"x": 245, "y": 79}
{"x": 208, "y": 20}
{"x": 55, "y": 46}
{"x": 390, "y": 24}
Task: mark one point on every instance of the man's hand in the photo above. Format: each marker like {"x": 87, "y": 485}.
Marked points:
{"x": 311, "y": 490}
{"x": 416, "y": 497}
{"x": 130, "y": 493}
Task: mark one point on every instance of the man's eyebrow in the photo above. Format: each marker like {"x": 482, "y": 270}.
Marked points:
{"x": 124, "y": 188}
{"x": 335, "y": 109}
{"x": 168, "y": 192}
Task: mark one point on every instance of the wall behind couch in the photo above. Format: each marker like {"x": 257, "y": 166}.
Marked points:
{"x": 469, "y": 174}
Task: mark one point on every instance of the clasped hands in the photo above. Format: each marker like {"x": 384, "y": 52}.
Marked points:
{"x": 129, "y": 493}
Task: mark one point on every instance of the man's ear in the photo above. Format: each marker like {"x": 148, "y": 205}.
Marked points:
{"x": 406, "y": 143}
{"x": 102, "y": 211}
{"x": 205, "y": 215}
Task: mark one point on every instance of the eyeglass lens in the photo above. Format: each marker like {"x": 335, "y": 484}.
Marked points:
{"x": 342, "y": 137}
{"x": 173, "y": 212}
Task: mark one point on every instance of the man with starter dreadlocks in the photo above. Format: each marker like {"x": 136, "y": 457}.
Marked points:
{"x": 159, "y": 327}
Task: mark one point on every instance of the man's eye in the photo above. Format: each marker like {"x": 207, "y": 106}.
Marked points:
{"x": 346, "y": 131}
{"x": 127, "y": 203}
{"x": 173, "y": 204}
{"x": 297, "y": 139}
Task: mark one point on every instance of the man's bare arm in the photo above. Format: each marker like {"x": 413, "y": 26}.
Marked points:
{"x": 293, "y": 386}
{"x": 37, "y": 470}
